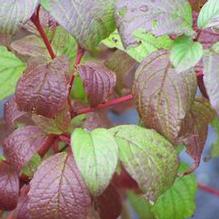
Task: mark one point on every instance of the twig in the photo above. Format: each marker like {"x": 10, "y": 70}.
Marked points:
{"x": 36, "y": 21}
{"x": 106, "y": 105}
{"x": 208, "y": 189}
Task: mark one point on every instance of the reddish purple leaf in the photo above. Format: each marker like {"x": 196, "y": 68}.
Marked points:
{"x": 58, "y": 191}
{"x": 22, "y": 144}
{"x": 44, "y": 90}
{"x": 22, "y": 210}
{"x": 109, "y": 204}
{"x": 163, "y": 97}
{"x": 98, "y": 80}
{"x": 97, "y": 120}
{"x": 11, "y": 112}
{"x": 9, "y": 187}
{"x": 194, "y": 130}
{"x": 197, "y": 4}
{"x": 207, "y": 36}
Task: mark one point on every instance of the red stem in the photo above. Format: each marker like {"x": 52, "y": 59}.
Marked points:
{"x": 79, "y": 56}
{"x": 201, "y": 84}
{"x": 36, "y": 21}
{"x": 46, "y": 146}
{"x": 106, "y": 105}
{"x": 208, "y": 189}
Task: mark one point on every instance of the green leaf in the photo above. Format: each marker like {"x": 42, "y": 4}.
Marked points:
{"x": 63, "y": 43}
{"x": 148, "y": 157}
{"x": 11, "y": 69}
{"x": 96, "y": 155}
{"x": 31, "y": 166}
{"x": 185, "y": 53}
{"x": 148, "y": 43}
{"x": 215, "y": 47}
{"x": 78, "y": 90}
{"x": 88, "y": 21}
{"x": 140, "y": 205}
{"x": 179, "y": 201}
{"x": 214, "y": 152}
{"x": 209, "y": 14}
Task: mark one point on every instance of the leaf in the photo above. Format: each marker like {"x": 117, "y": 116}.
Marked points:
{"x": 20, "y": 146}
{"x": 30, "y": 45}
{"x": 179, "y": 201}
{"x": 57, "y": 125}
{"x": 211, "y": 78}
{"x": 185, "y": 53}
{"x": 96, "y": 154}
{"x": 89, "y": 22}
{"x": 109, "y": 203}
{"x": 11, "y": 112}
{"x": 163, "y": 97}
{"x": 59, "y": 193}
{"x": 148, "y": 157}
{"x": 209, "y": 15}
{"x": 78, "y": 91}
{"x": 9, "y": 187}
{"x": 214, "y": 150}
{"x": 197, "y": 4}
{"x": 147, "y": 43}
{"x": 194, "y": 131}
{"x": 11, "y": 69}
{"x": 31, "y": 166}
{"x": 98, "y": 81}
{"x": 124, "y": 67}
{"x": 140, "y": 205}
{"x": 44, "y": 90}
{"x": 158, "y": 17}
{"x": 13, "y": 13}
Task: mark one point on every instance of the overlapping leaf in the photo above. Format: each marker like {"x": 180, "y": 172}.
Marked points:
{"x": 98, "y": 81}
{"x": 44, "y": 89}
{"x": 179, "y": 201}
{"x": 9, "y": 186}
{"x": 148, "y": 157}
{"x": 146, "y": 44}
{"x": 20, "y": 146}
{"x": 58, "y": 191}
{"x": 207, "y": 37}
{"x": 88, "y": 21}
{"x": 209, "y": 15}
{"x": 57, "y": 125}
{"x": 158, "y": 17}
{"x": 197, "y": 4}
{"x": 32, "y": 45}
{"x": 96, "y": 154}
{"x": 14, "y": 13}
{"x": 195, "y": 128}
{"x": 141, "y": 206}
{"x": 109, "y": 203}
{"x": 211, "y": 78}
{"x": 124, "y": 67}
{"x": 11, "y": 112}
{"x": 162, "y": 97}
{"x": 185, "y": 53}
{"x": 11, "y": 69}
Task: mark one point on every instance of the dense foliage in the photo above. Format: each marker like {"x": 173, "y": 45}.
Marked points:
{"x": 64, "y": 65}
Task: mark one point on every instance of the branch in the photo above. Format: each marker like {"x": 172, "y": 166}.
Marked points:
{"x": 201, "y": 84}
{"x": 79, "y": 56}
{"x": 208, "y": 189}
{"x": 105, "y": 105}
{"x": 46, "y": 146}
{"x": 36, "y": 21}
